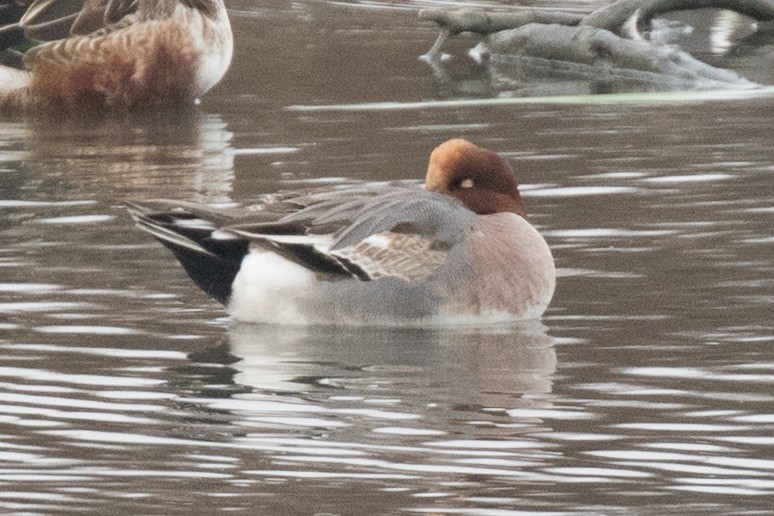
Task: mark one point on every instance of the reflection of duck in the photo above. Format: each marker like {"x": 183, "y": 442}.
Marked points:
{"x": 464, "y": 367}
{"x": 113, "y": 54}
{"x": 460, "y": 250}
{"x": 346, "y": 402}
{"x": 188, "y": 154}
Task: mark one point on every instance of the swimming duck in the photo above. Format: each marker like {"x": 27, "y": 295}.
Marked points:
{"x": 119, "y": 55}
{"x": 457, "y": 250}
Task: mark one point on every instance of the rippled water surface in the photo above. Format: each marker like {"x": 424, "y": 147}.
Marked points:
{"x": 646, "y": 389}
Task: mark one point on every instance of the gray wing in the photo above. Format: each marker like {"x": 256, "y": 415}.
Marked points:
{"x": 370, "y": 233}
{"x": 366, "y": 232}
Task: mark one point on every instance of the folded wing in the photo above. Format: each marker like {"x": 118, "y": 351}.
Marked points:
{"x": 366, "y": 233}
{"x": 400, "y": 231}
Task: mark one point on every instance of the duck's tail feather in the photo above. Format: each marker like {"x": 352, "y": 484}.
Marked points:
{"x": 11, "y": 38}
{"x": 211, "y": 260}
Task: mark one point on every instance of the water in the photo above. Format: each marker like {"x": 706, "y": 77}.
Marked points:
{"x": 646, "y": 389}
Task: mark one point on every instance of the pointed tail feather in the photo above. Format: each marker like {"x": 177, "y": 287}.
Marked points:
{"x": 212, "y": 263}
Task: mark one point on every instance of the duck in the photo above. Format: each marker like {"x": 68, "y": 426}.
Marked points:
{"x": 110, "y": 55}
{"x": 457, "y": 250}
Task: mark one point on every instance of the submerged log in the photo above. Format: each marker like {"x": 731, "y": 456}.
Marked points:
{"x": 604, "y": 50}
{"x": 480, "y": 22}
{"x": 594, "y": 41}
{"x": 457, "y": 21}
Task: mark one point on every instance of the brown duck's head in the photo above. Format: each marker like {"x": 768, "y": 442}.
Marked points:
{"x": 478, "y": 177}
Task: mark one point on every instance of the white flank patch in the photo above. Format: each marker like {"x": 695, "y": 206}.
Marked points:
{"x": 213, "y": 64}
{"x": 12, "y": 79}
{"x": 266, "y": 287}
{"x": 212, "y": 68}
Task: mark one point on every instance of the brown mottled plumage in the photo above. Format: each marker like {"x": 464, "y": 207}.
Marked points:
{"x": 158, "y": 54}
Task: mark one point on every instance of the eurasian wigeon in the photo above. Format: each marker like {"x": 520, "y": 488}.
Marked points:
{"x": 460, "y": 250}
{"x": 101, "y": 55}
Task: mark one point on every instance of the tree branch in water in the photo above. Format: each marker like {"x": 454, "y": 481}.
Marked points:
{"x": 603, "y": 49}
{"x": 593, "y": 40}
{"x": 480, "y": 22}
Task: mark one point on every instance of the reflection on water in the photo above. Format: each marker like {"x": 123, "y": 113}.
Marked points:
{"x": 645, "y": 390}
{"x": 428, "y": 420}
{"x": 123, "y": 156}
{"x": 389, "y": 407}
{"x": 483, "y": 368}
{"x": 71, "y": 178}
{"x": 724, "y": 39}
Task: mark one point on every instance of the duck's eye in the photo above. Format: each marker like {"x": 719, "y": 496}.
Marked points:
{"x": 467, "y": 183}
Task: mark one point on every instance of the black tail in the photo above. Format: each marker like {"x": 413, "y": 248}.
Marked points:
{"x": 211, "y": 262}
{"x": 11, "y": 36}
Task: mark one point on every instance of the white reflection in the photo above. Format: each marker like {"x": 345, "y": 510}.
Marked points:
{"x": 43, "y": 306}
{"x": 727, "y": 27}
{"x": 31, "y": 288}
{"x": 608, "y": 233}
{"x": 50, "y": 377}
{"x": 406, "y": 431}
{"x": 692, "y": 178}
{"x": 90, "y": 330}
{"x": 697, "y": 373}
{"x": 680, "y": 427}
{"x": 478, "y": 444}
{"x": 718, "y": 490}
{"x": 70, "y": 403}
{"x": 260, "y": 151}
{"x": 329, "y": 475}
{"x": 76, "y": 219}
{"x": 605, "y": 473}
{"x": 562, "y": 414}
{"x": 100, "y": 351}
{"x": 18, "y": 203}
{"x": 575, "y": 191}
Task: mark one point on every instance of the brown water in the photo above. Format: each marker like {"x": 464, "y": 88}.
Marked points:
{"x": 647, "y": 389}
